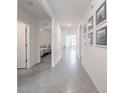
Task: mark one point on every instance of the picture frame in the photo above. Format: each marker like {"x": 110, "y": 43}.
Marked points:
{"x": 90, "y": 38}
{"x": 101, "y": 13}
{"x": 90, "y": 23}
{"x": 101, "y": 36}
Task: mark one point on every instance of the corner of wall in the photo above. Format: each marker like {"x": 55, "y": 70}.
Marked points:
{"x": 59, "y": 58}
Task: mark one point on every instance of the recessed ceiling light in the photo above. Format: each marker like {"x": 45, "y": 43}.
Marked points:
{"x": 41, "y": 29}
{"x": 69, "y": 24}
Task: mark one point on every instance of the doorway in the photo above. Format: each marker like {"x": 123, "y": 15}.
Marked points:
{"x": 70, "y": 41}
{"x": 22, "y": 45}
{"x": 45, "y": 45}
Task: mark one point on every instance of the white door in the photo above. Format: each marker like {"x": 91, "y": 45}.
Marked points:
{"x": 21, "y": 49}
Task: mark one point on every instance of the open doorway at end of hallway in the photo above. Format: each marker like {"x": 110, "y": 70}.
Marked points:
{"x": 70, "y": 41}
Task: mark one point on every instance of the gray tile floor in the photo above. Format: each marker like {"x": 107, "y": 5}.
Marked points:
{"x": 46, "y": 58}
{"x": 68, "y": 76}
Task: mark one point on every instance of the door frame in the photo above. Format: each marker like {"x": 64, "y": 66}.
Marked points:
{"x": 27, "y": 35}
{"x": 27, "y": 44}
{"x": 80, "y": 41}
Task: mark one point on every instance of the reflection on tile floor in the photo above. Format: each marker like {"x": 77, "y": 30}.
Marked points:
{"x": 68, "y": 76}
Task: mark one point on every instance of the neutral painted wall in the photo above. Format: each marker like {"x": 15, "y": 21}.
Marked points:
{"x": 56, "y": 43}
{"x": 27, "y": 18}
{"x": 94, "y": 58}
{"x": 45, "y": 37}
{"x": 78, "y": 42}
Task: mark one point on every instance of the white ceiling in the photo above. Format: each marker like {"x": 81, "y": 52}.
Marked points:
{"x": 64, "y": 11}
{"x": 67, "y": 11}
{"x": 36, "y": 9}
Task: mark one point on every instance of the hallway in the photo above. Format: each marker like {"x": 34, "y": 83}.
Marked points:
{"x": 68, "y": 76}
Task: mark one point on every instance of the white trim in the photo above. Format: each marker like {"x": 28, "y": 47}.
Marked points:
{"x": 100, "y": 24}
{"x": 90, "y": 76}
{"x": 53, "y": 65}
{"x": 101, "y": 46}
{"x": 30, "y": 66}
{"x": 52, "y": 43}
{"x": 48, "y": 10}
{"x": 27, "y": 26}
{"x": 38, "y": 50}
{"x": 28, "y": 45}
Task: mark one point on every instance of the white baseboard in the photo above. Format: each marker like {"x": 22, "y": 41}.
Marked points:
{"x": 82, "y": 63}
{"x": 59, "y": 58}
{"x": 31, "y": 65}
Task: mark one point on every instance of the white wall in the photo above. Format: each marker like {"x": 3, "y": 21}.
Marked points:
{"x": 45, "y": 37}
{"x": 94, "y": 57}
{"x": 78, "y": 42}
{"x": 56, "y": 43}
{"x": 27, "y": 18}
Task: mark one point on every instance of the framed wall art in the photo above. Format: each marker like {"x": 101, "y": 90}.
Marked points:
{"x": 101, "y": 36}
{"x": 90, "y": 23}
{"x": 90, "y": 38}
{"x": 101, "y": 13}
